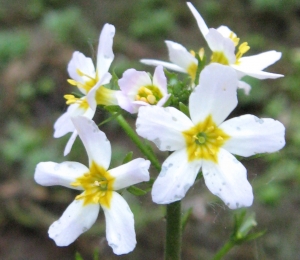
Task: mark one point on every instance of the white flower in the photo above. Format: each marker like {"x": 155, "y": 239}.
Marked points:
{"x": 206, "y": 142}
{"x": 138, "y": 89}
{"x": 99, "y": 187}
{"x": 90, "y": 83}
{"x": 222, "y": 42}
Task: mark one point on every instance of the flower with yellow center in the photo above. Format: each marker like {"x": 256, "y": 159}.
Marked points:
{"x": 222, "y": 42}
{"x": 89, "y": 82}
{"x": 205, "y": 142}
{"x": 138, "y": 89}
{"x": 99, "y": 186}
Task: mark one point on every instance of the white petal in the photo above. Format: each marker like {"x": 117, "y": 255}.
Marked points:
{"x": 216, "y": 94}
{"x": 105, "y": 54}
{"x": 253, "y": 65}
{"x": 225, "y": 31}
{"x": 82, "y": 63}
{"x": 251, "y": 135}
{"x": 218, "y": 43}
{"x": 64, "y": 124}
{"x": 119, "y": 219}
{"x": 201, "y": 24}
{"x": 51, "y": 173}
{"x": 70, "y": 143}
{"x": 167, "y": 65}
{"x": 95, "y": 141}
{"x": 258, "y": 74}
{"x": 91, "y": 96}
{"x": 163, "y": 126}
{"x": 176, "y": 177}
{"x": 245, "y": 86}
{"x": 160, "y": 80}
{"x": 180, "y": 56}
{"x": 228, "y": 180}
{"x": 260, "y": 61}
{"x": 130, "y": 173}
{"x": 76, "y": 219}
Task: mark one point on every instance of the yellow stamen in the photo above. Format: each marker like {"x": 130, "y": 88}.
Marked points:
{"x": 149, "y": 94}
{"x": 234, "y": 38}
{"x": 97, "y": 185}
{"x": 203, "y": 141}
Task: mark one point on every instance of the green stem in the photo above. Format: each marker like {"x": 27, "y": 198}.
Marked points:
{"x": 135, "y": 138}
{"x": 173, "y": 232}
{"x": 224, "y": 250}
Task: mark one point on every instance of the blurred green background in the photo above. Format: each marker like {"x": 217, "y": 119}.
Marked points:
{"x": 37, "y": 39}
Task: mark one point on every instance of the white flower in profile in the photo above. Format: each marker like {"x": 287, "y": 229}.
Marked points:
{"x": 138, "y": 89}
{"x": 90, "y": 83}
{"x": 222, "y": 42}
{"x": 204, "y": 142}
{"x": 99, "y": 186}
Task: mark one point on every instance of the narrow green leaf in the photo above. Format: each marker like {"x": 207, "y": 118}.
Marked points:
{"x": 184, "y": 109}
{"x": 128, "y": 157}
{"x": 185, "y": 218}
{"x": 136, "y": 191}
{"x": 78, "y": 256}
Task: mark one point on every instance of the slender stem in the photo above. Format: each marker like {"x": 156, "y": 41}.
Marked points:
{"x": 173, "y": 232}
{"x": 224, "y": 250}
{"x": 135, "y": 138}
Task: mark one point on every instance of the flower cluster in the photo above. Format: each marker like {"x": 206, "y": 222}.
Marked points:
{"x": 196, "y": 133}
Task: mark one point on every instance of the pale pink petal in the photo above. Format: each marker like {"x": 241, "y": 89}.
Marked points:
{"x": 201, "y": 23}
{"x": 216, "y": 94}
{"x": 175, "y": 179}
{"x": 76, "y": 219}
{"x": 131, "y": 173}
{"x": 160, "y": 80}
{"x": 250, "y": 135}
{"x": 105, "y": 54}
{"x": 119, "y": 219}
{"x": 227, "y": 179}
{"x": 95, "y": 141}
{"x": 51, "y": 173}
{"x": 163, "y": 126}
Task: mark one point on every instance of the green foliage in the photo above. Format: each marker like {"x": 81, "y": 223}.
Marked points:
{"x": 13, "y": 44}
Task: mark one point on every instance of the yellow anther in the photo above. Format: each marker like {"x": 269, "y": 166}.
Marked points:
{"x": 71, "y": 99}
{"x": 220, "y": 138}
{"x": 143, "y": 99}
{"x": 72, "y": 82}
{"x": 75, "y": 184}
{"x": 151, "y": 99}
{"x": 210, "y": 128}
{"x": 243, "y": 48}
{"x": 211, "y": 151}
{"x": 234, "y": 38}
{"x": 201, "y": 53}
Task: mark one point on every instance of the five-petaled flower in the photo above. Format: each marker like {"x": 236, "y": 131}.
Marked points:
{"x": 90, "y": 83}
{"x": 206, "y": 142}
{"x": 222, "y": 42}
{"x": 138, "y": 89}
{"x": 99, "y": 187}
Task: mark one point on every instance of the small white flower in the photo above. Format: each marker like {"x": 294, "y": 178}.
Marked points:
{"x": 99, "y": 187}
{"x": 90, "y": 83}
{"x": 206, "y": 142}
{"x": 222, "y": 42}
{"x": 138, "y": 89}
